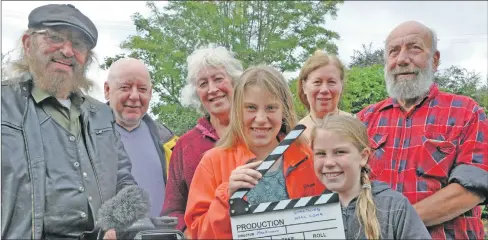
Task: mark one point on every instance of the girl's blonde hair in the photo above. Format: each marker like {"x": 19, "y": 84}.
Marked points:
{"x": 266, "y": 78}
{"x": 317, "y": 60}
{"x": 352, "y": 129}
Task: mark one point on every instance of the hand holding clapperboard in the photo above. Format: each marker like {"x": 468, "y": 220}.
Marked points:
{"x": 317, "y": 217}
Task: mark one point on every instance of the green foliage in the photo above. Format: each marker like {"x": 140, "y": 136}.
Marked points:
{"x": 463, "y": 82}
{"x": 177, "y": 118}
{"x": 279, "y": 33}
{"x": 458, "y": 80}
{"x": 364, "y": 86}
{"x": 108, "y": 61}
{"x": 484, "y": 214}
{"x": 367, "y": 57}
{"x": 300, "y": 109}
{"x": 481, "y": 97}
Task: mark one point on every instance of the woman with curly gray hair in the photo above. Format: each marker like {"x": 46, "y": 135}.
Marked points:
{"x": 212, "y": 73}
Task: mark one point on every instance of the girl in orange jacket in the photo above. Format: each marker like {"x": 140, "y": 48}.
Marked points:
{"x": 262, "y": 114}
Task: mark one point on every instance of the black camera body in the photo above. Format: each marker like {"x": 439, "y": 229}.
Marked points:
{"x": 153, "y": 228}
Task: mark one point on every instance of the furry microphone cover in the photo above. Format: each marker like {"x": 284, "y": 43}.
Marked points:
{"x": 121, "y": 211}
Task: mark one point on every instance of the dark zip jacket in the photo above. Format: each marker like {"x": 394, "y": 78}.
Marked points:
{"x": 397, "y": 217}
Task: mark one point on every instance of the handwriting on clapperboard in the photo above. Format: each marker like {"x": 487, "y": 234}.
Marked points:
{"x": 307, "y": 213}
{"x": 317, "y": 217}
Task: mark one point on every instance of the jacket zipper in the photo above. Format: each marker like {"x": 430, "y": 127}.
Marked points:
{"x": 288, "y": 171}
{"x": 33, "y": 234}
{"x": 344, "y": 213}
{"x": 93, "y": 167}
{"x": 98, "y": 132}
{"x": 96, "y": 176}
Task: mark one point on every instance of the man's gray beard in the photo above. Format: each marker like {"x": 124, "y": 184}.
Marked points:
{"x": 409, "y": 89}
{"x": 57, "y": 84}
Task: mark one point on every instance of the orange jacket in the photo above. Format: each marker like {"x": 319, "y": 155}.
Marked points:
{"x": 207, "y": 210}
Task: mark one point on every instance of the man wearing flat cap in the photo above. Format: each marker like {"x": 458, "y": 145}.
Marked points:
{"x": 61, "y": 156}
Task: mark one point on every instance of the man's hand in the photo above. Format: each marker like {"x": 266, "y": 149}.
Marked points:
{"x": 110, "y": 234}
{"x": 446, "y": 204}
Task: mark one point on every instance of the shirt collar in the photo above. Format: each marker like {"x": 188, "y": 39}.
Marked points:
{"x": 40, "y": 95}
{"x": 206, "y": 128}
{"x": 390, "y": 102}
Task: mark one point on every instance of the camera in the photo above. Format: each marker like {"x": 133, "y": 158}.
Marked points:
{"x": 152, "y": 235}
{"x": 154, "y": 228}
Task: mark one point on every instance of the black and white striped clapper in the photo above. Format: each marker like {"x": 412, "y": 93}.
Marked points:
{"x": 315, "y": 217}
{"x": 273, "y": 156}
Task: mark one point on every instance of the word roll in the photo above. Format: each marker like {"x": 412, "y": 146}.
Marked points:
{"x": 316, "y": 217}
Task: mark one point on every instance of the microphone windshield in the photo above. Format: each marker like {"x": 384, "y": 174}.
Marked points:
{"x": 121, "y": 211}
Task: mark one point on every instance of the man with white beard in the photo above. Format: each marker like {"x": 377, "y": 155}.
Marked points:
{"x": 429, "y": 145}
{"x": 61, "y": 156}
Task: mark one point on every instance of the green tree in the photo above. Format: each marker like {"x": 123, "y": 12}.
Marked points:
{"x": 279, "y": 33}
{"x": 300, "y": 109}
{"x": 458, "y": 80}
{"x": 367, "y": 57}
{"x": 481, "y": 97}
{"x": 180, "y": 119}
{"x": 464, "y": 82}
{"x": 108, "y": 61}
{"x": 364, "y": 86}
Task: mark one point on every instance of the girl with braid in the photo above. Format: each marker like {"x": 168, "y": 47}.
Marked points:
{"x": 371, "y": 210}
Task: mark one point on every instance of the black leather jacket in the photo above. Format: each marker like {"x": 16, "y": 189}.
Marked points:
{"x": 23, "y": 164}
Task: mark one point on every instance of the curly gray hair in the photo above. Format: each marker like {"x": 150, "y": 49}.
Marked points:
{"x": 208, "y": 56}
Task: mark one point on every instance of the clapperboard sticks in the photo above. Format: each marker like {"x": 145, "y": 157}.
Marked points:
{"x": 272, "y": 157}
{"x": 297, "y": 218}
{"x": 239, "y": 206}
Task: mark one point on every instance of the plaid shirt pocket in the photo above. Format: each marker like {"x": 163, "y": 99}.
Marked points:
{"x": 433, "y": 162}
{"x": 436, "y": 157}
{"x": 377, "y": 160}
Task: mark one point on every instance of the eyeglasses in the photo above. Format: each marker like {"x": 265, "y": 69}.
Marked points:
{"x": 58, "y": 39}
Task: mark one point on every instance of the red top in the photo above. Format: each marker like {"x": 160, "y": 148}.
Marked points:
{"x": 187, "y": 153}
{"x": 443, "y": 139}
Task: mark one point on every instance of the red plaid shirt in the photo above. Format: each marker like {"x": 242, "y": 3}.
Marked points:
{"x": 416, "y": 152}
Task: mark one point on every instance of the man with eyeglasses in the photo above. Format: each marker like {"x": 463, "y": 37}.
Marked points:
{"x": 61, "y": 156}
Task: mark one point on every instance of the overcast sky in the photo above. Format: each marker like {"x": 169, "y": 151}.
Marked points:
{"x": 461, "y": 27}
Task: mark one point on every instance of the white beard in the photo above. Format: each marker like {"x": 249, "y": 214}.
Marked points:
{"x": 409, "y": 89}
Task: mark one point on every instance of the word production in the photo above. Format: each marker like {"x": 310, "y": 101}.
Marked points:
{"x": 317, "y": 217}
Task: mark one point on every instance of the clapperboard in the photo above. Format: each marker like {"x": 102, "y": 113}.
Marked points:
{"x": 317, "y": 217}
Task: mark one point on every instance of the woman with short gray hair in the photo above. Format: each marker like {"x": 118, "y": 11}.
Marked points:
{"x": 208, "y": 58}
{"x": 212, "y": 74}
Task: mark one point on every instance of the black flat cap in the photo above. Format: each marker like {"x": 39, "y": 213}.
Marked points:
{"x": 63, "y": 15}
